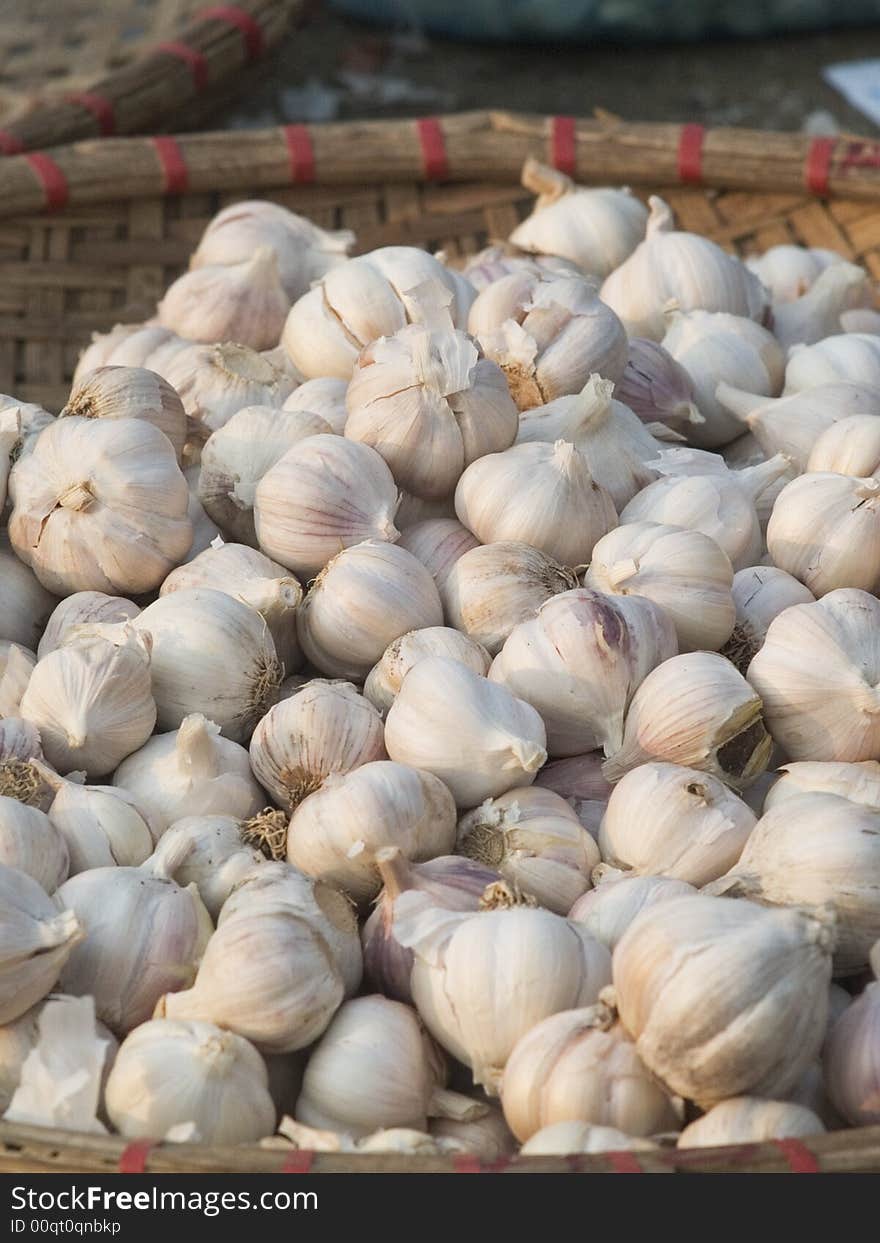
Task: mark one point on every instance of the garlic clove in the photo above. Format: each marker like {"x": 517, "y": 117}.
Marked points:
{"x": 789, "y": 271}
{"x": 657, "y": 388}
{"x": 852, "y": 1064}
{"x": 816, "y": 314}
{"x": 852, "y": 356}
{"x": 849, "y": 447}
{"x": 578, "y": 779}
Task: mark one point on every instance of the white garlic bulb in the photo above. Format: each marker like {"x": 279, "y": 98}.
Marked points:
{"x": 168, "y": 1072}
{"x": 657, "y": 388}
{"x": 100, "y": 505}
{"x": 579, "y": 661}
{"x": 760, "y": 593}
{"x": 214, "y": 382}
{"x": 852, "y": 1061}
{"x": 849, "y": 447}
{"x": 471, "y": 733}
{"x": 81, "y": 609}
{"x": 487, "y": 1137}
{"x": 671, "y": 264}
{"x": 816, "y": 314}
{"x": 17, "y": 1039}
{"x": 683, "y": 571}
{"x": 825, "y": 531}
{"x": 25, "y": 605}
{"x": 385, "y": 678}
{"x": 861, "y": 319}
{"x": 704, "y": 987}
{"x": 851, "y": 356}
{"x": 16, "y": 666}
{"x": 243, "y": 302}
{"x": 102, "y": 826}
{"x": 31, "y": 843}
{"x": 129, "y": 393}
{"x": 789, "y": 271}
{"x": 608, "y": 909}
{"x": 493, "y": 262}
{"x": 323, "y": 397}
{"x": 749, "y": 1120}
{"x": 323, "y": 495}
{"x": 10, "y": 437}
{"x": 860, "y": 782}
{"x": 137, "y": 341}
{"x": 37, "y": 936}
{"x": 218, "y": 855}
{"x": 568, "y": 1138}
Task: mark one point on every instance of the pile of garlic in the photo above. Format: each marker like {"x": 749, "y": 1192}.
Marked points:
{"x": 440, "y": 710}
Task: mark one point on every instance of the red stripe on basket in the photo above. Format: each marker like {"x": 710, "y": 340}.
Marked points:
{"x": 174, "y": 168}
{"x": 562, "y": 144}
{"x": 817, "y": 166}
{"x": 467, "y": 1165}
{"x": 301, "y": 152}
{"x": 435, "y": 165}
{"x": 9, "y": 144}
{"x": 798, "y": 1156}
{"x": 51, "y": 178}
{"x": 197, "y": 61}
{"x": 254, "y": 42}
{"x": 624, "y": 1163}
{"x": 298, "y": 1161}
{"x": 134, "y": 1157}
{"x": 99, "y": 106}
{"x": 690, "y": 153}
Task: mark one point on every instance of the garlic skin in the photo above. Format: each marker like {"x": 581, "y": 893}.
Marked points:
{"x": 684, "y": 572}
{"x": 492, "y": 588}
{"x": 579, "y": 661}
{"x": 37, "y": 936}
{"x": 25, "y": 605}
{"x": 385, "y": 678}
{"x": 705, "y": 985}
{"x": 167, "y": 1073}
{"x": 364, "y": 598}
{"x": 92, "y": 701}
{"x": 581, "y": 1066}
{"x": 825, "y": 531}
{"x": 191, "y": 771}
{"x": 698, "y": 711}
{"x": 852, "y": 1061}
{"x": 471, "y": 733}
{"x": 749, "y": 1120}
{"x": 540, "y": 491}
{"x": 849, "y": 447}
{"x": 790, "y": 271}
{"x": 534, "y": 840}
{"x": 102, "y": 826}
{"x": 19, "y": 742}
{"x": 214, "y": 382}
{"x": 487, "y": 1137}
{"x": 324, "y": 728}
{"x": 816, "y": 314}
{"x": 671, "y": 264}
{"x": 30, "y": 843}
{"x": 323, "y": 398}
{"x": 860, "y": 783}
{"x": 129, "y": 393}
{"x": 216, "y": 857}
{"x": 325, "y": 494}
{"x": 211, "y": 653}
{"x": 657, "y": 388}
{"x": 243, "y": 302}
{"x": 236, "y": 457}
{"x": 852, "y": 356}
{"x": 16, "y": 667}
{"x": 100, "y": 505}
{"x": 81, "y": 609}
{"x": 568, "y": 1138}
{"x": 608, "y": 909}
{"x": 760, "y": 593}
{"x": 665, "y": 820}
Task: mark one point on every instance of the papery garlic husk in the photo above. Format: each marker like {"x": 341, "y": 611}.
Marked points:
{"x": 92, "y": 700}
{"x": 816, "y": 314}
{"x": 501, "y": 259}
{"x": 471, "y": 733}
{"x": 657, "y": 388}
{"x": 37, "y": 936}
{"x": 213, "y": 654}
{"x": 214, "y": 382}
{"x": 860, "y": 783}
{"x": 608, "y": 909}
{"x": 578, "y": 779}
{"x": 451, "y": 882}
{"x": 696, "y": 710}
{"x": 413, "y": 509}
{"x": 323, "y": 397}
{"x": 569, "y": 1138}
{"x": 218, "y": 855}
{"x": 438, "y": 543}
{"x": 487, "y": 1137}
{"x": 760, "y": 593}
{"x": 31, "y": 843}
{"x": 725, "y": 998}
{"x": 825, "y": 532}
{"x": 236, "y": 457}
{"x": 129, "y": 393}
{"x": 665, "y": 820}
{"x": 243, "y": 302}
{"x": 16, "y": 666}
{"x": 849, "y": 447}
{"x": 538, "y": 492}
{"x": 492, "y": 588}
{"x": 366, "y": 298}
{"x": 534, "y": 840}
{"x": 694, "y": 271}
{"x": 851, "y": 356}
{"x": 19, "y": 742}
{"x": 125, "y": 345}
{"x": 684, "y": 572}
{"x": 385, "y": 678}
{"x": 169, "y": 1072}
{"x": 579, "y": 661}
{"x": 749, "y": 1120}
{"x": 789, "y": 271}
{"x": 581, "y": 1066}
{"x": 852, "y": 1060}
{"x": 818, "y": 675}
{"x": 25, "y": 605}
{"x": 364, "y": 598}
{"x": 476, "y": 1011}
{"x": 81, "y": 609}
{"x": 191, "y": 771}
{"x": 815, "y": 849}
{"x": 323, "y": 495}
{"x": 323, "y": 728}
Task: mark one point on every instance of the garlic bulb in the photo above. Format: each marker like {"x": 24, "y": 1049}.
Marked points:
{"x": 385, "y": 678}
{"x": 214, "y": 382}
{"x": 816, "y": 314}
{"x": 217, "y": 855}
{"x": 471, "y": 733}
{"x": 567, "y": 1138}
{"x": 366, "y": 298}
{"x": 100, "y": 505}
{"x": 22, "y": 422}
{"x": 579, "y": 661}
{"x": 825, "y": 532}
{"x": 324, "y": 728}
{"x": 243, "y": 302}
{"x": 815, "y": 849}
{"x": 335, "y": 832}
{"x": 16, "y": 666}
{"x": 578, "y": 779}
{"x": 92, "y": 700}
{"x": 657, "y": 388}
{"x": 37, "y": 936}
{"x": 760, "y": 594}
{"x": 789, "y": 271}
{"x": 581, "y": 1066}
{"x": 81, "y": 609}
{"x": 31, "y": 843}
{"x": 17, "y": 1039}
{"x": 849, "y": 447}
{"x": 538, "y": 491}
{"x": 364, "y": 598}
{"x": 236, "y": 457}
{"x": 492, "y": 588}
{"x": 324, "y": 398}
{"x": 852, "y": 1060}
{"x": 130, "y": 393}
{"x": 323, "y": 495}
{"x": 167, "y": 1073}
{"x": 102, "y": 826}
{"x": 125, "y": 345}
{"x": 698, "y": 711}
{"x": 493, "y": 262}
{"x": 670, "y": 264}
{"x": 608, "y": 909}
{"x": 861, "y": 319}
{"x": 211, "y": 653}
{"x": 534, "y": 840}
{"x": 487, "y": 1137}
{"x": 683, "y": 571}
{"x": 705, "y": 986}
{"x": 25, "y": 605}
{"x": 852, "y": 356}
{"x": 191, "y": 771}
{"x": 818, "y": 675}
{"x": 664, "y": 820}
{"x": 860, "y": 783}
{"x": 748, "y": 1120}
{"x": 10, "y": 436}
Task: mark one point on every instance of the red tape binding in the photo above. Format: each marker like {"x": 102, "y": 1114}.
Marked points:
{"x": 301, "y": 153}
{"x": 690, "y": 153}
{"x": 298, "y": 1161}
{"x": 624, "y": 1163}
{"x": 562, "y": 144}
{"x": 254, "y": 43}
{"x": 434, "y": 162}
{"x": 196, "y": 61}
{"x": 798, "y": 1156}
{"x": 99, "y": 106}
{"x": 817, "y": 166}
{"x": 51, "y": 178}
{"x": 9, "y": 144}
{"x": 134, "y": 1157}
{"x": 174, "y": 168}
